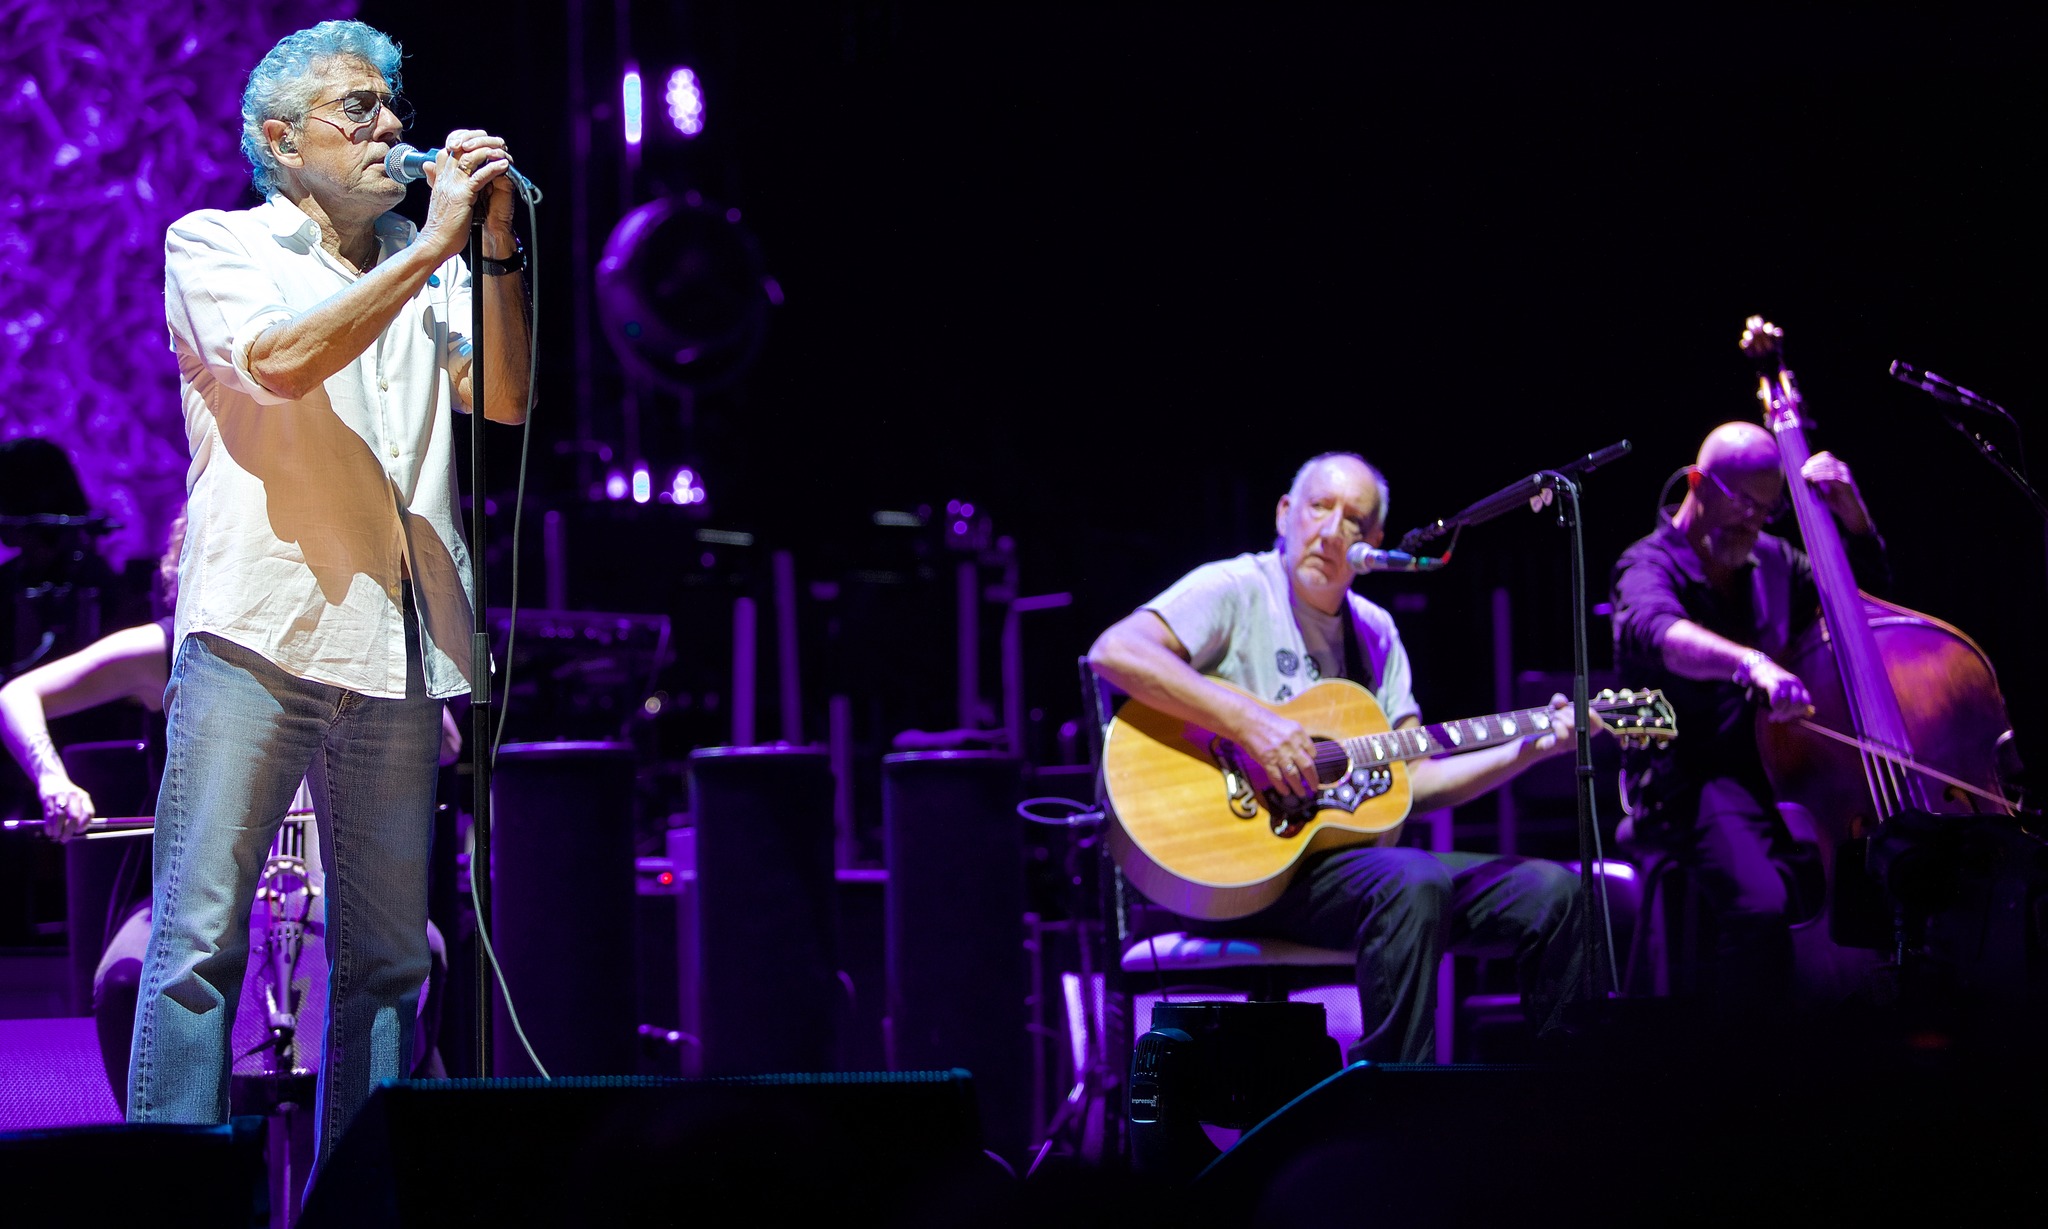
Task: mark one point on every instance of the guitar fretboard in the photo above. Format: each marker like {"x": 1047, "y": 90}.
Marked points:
{"x": 1464, "y": 734}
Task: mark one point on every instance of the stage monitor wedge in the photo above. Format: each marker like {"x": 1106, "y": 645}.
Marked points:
{"x": 869, "y": 1148}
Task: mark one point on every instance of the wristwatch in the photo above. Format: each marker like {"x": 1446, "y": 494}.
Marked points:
{"x": 1747, "y": 666}
{"x": 511, "y": 264}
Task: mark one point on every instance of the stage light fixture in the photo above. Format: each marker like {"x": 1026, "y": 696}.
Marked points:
{"x": 685, "y": 102}
{"x": 687, "y": 488}
{"x": 643, "y": 484}
{"x": 682, "y": 294}
{"x": 630, "y": 103}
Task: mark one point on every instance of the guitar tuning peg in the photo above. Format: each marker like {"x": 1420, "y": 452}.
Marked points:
{"x": 1606, "y": 694}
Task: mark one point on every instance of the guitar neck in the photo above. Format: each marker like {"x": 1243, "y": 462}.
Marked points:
{"x": 1447, "y": 738}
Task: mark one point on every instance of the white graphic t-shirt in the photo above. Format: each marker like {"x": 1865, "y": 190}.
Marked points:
{"x": 1240, "y": 622}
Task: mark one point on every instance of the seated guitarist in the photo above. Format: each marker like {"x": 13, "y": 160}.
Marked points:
{"x": 1274, "y": 624}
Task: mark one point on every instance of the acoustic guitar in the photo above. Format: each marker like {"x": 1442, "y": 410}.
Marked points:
{"x": 1198, "y": 828}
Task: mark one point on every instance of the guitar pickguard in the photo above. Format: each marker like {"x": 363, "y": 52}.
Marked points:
{"x": 1289, "y": 816}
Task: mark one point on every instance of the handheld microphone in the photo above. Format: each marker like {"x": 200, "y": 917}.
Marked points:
{"x": 1364, "y": 558}
{"x": 405, "y": 164}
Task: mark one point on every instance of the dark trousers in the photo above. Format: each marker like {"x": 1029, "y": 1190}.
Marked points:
{"x": 1401, "y": 909}
{"x": 1730, "y": 842}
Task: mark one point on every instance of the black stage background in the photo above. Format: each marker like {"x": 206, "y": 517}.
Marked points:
{"x": 1111, "y": 272}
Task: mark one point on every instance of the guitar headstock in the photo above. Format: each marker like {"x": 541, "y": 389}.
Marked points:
{"x": 1637, "y": 718}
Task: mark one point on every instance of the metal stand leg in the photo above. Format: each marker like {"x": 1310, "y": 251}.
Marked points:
{"x": 284, "y": 1190}
{"x": 1089, "y": 1125}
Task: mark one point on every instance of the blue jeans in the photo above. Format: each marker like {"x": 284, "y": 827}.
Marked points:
{"x": 242, "y": 732}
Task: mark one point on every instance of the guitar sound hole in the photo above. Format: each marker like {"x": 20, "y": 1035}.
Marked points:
{"x": 1331, "y": 762}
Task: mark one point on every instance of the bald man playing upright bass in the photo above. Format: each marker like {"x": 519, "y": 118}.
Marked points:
{"x": 1703, "y": 608}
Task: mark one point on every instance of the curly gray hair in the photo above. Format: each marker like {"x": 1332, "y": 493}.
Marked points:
{"x": 282, "y": 85}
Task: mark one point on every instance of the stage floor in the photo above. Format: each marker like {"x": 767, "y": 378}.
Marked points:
{"x": 50, "y": 1075}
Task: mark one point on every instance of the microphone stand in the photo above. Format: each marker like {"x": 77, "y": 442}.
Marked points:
{"x": 1535, "y": 491}
{"x": 1942, "y": 390}
{"x": 480, "y": 731}
{"x": 1529, "y": 490}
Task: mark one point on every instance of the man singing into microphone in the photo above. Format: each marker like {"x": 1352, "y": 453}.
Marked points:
{"x": 1274, "y": 624}
{"x": 322, "y": 346}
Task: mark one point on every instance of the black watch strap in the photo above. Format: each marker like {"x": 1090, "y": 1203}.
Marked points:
{"x": 512, "y": 264}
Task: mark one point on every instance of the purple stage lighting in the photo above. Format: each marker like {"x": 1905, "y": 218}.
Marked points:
{"x": 629, "y": 103}
{"x": 615, "y": 485}
{"x": 685, "y": 102}
{"x": 688, "y": 488}
{"x": 643, "y": 484}
{"x": 121, "y": 115}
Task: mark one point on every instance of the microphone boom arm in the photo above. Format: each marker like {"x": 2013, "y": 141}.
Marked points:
{"x": 1527, "y": 490}
{"x": 1954, "y": 394}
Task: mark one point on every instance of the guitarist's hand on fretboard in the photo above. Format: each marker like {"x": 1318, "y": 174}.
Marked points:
{"x": 1562, "y": 736}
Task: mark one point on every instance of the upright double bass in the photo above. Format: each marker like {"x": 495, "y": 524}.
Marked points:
{"x": 1908, "y": 717}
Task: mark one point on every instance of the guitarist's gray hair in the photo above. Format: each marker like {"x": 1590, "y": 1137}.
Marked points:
{"x": 1379, "y": 479}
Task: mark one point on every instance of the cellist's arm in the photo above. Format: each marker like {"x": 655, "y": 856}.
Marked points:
{"x": 1650, "y": 621}
{"x": 1694, "y": 652}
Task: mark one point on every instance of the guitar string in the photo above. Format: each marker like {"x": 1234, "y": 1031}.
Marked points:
{"x": 1359, "y": 752}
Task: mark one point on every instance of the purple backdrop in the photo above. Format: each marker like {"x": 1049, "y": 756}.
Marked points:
{"x": 116, "y": 116}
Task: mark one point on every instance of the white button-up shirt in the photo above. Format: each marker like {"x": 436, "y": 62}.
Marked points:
{"x": 305, "y": 516}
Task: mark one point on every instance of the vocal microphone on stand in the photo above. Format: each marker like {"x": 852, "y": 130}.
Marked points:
{"x": 405, "y": 164}
{"x": 1364, "y": 558}
{"x": 1945, "y": 390}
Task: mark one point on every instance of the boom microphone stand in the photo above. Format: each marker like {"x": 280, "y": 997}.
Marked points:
{"x": 1536, "y": 491}
{"x": 1954, "y": 394}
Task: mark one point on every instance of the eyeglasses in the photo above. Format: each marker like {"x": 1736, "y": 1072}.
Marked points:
{"x": 1749, "y": 504}
{"x": 361, "y": 107}
{"x": 1350, "y": 529}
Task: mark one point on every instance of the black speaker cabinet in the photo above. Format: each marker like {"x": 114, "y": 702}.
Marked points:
{"x": 562, "y": 906}
{"x": 767, "y": 990}
{"x": 865, "y": 1149}
{"x": 955, "y": 927}
{"x": 1798, "y": 1137}
{"x": 136, "y": 1175}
